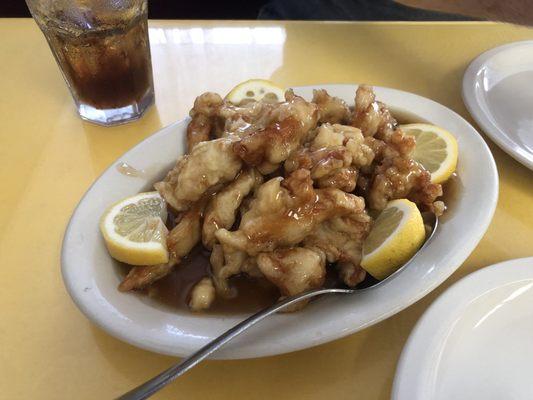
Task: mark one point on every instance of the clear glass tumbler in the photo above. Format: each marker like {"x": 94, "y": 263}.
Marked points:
{"x": 103, "y": 51}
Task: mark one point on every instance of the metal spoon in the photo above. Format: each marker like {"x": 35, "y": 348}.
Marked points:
{"x": 164, "y": 378}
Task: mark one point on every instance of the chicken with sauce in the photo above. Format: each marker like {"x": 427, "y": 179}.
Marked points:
{"x": 284, "y": 191}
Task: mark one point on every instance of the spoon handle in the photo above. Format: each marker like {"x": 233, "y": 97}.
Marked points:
{"x": 153, "y": 385}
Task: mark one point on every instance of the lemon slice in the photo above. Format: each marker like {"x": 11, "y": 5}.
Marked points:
{"x": 134, "y": 230}
{"x": 256, "y": 89}
{"x": 436, "y": 149}
{"x": 397, "y": 234}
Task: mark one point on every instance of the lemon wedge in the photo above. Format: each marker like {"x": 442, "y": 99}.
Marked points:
{"x": 397, "y": 234}
{"x": 256, "y": 89}
{"x": 134, "y": 229}
{"x": 436, "y": 149}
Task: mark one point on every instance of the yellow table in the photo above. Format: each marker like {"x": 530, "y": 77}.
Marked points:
{"x": 48, "y": 158}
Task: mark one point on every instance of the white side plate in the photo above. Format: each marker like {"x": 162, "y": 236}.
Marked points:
{"x": 91, "y": 276}
{"x": 475, "y": 342}
{"x": 498, "y": 92}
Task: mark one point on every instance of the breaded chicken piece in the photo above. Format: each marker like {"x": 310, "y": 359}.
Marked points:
{"x": 346, "y": 136}
{"x": 187, "y": 233}
{"x": 208, "y": 165}
{"x": 265, "y": 148}
{"x": 198, "y": 130}
{"x": 330, "y": 109}
{"x": 203, "y": 114}
{"x": 375, "y": 120}
{"x": 224, "y": 205}
{"x": 226, "y": 261}
{"x": 256, "y": 113}
{"x": 285, "y": 211}
{"x": 294, "y": 271}
{"x": 213, "y": 117}
{"x": 139, "y": 277}
{"x": 333, "y": 157}
{"x": 202, "y": 295}
{"x": 329, "y": 167}
{"x": 398, "y": 178}
{"x": 208, "y": 104}
{"x": 341, "y": 239}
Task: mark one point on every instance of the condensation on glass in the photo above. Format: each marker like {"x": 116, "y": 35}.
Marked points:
{"x": 103, "y": 51}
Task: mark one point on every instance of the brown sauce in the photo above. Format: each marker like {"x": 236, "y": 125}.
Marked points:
{"x": 407, "y": 117}
{"x": 174, "y": 289}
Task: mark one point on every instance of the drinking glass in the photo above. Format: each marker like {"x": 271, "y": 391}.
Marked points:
{"x": 103, "y": 51}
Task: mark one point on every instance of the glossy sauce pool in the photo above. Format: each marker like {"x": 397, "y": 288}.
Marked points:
{"x": 174, "y": 289}
{"x": 253, "y": 294}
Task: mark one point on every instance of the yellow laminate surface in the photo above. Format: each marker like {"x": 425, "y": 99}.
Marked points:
{"x": 49, "y": 157}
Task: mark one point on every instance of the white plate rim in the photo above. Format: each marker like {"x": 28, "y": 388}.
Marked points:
{"x": 436, "y": 324}
{"x": 250, "y": 351}
{"x": 470, "y": 99}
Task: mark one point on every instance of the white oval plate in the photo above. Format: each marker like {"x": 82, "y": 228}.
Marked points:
{"x": 91, "y": 276}
{"x": 475, "y": 341}
{"x": 497, "y": 92}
